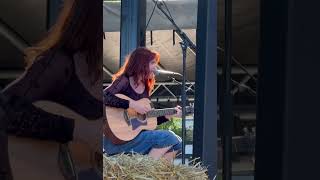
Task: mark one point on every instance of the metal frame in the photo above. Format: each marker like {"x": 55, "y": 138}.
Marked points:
{"x": 14, "y": 37}
{"x": 132, "y": 26}
{"x": 190, "y": 87}
{"x": 205, "y": 124}
{"x": 226, "y": 101}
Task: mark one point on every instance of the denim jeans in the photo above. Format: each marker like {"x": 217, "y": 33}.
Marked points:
{"x": 144, "y": 142}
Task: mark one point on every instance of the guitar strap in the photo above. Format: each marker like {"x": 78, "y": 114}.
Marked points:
{"x": 66, "y": 164}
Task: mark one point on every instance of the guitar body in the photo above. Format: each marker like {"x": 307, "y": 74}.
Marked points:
{"x": 33, "y": 159}
{"x": 38, "y": 159}
{"x": 123, "y": 125}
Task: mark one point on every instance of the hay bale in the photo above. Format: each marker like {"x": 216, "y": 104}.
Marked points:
{"x": 142, "y": 167}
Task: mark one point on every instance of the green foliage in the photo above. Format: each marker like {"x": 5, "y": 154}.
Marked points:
{"x": 175, "y": 126}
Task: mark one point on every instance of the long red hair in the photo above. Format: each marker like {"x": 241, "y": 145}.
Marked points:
{"x": 137, "y": 66}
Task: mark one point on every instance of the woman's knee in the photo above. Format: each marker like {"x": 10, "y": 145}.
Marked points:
{"x": 169, "y": 134}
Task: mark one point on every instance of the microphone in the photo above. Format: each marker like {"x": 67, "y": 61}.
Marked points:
{"x": 165, "y": 72}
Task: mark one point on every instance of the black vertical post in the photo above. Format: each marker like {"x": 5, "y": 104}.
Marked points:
{"x": 288, "y": 91}
{"x": 271, "y": 90}
{"x": 183, "y": 97}
{"x": 226, "y": 98}
{"x": 205, "y": 116}
{"x": 302, "y": 92}
{"x": 132, "y": 26}
{"x": 142, "y": 23}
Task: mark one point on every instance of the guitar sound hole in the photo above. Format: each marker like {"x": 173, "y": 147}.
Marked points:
{"x": 142, "y": 117}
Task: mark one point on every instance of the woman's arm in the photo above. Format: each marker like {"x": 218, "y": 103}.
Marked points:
{"x": 109, "y": 98}
{"x": 46, "y": 77}
{"x": 119, "y": 86}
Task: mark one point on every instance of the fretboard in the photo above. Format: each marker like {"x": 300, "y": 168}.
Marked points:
{"x": 161, "y": 112}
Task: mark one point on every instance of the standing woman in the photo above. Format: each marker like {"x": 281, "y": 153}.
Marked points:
{"x": 136, "y": 80}
{"x": 64, "y": 67}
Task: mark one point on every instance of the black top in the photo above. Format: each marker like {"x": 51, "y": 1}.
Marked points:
{"x": 51, "y": 77}
{"x": 122, "y": 86}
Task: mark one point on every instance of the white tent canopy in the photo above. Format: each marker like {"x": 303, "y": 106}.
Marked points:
{"x": 184, "y": 13}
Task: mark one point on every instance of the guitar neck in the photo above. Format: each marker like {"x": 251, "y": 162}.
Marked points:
{"x": 161, "y": 112}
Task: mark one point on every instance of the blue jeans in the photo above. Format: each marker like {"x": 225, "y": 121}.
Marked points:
{"x": 144, "y": 142}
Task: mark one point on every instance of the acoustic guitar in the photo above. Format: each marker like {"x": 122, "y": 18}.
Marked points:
{"x": 123, "y": 125}
{"x": 41, "y": 159}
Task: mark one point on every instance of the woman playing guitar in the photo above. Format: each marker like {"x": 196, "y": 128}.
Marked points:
{"x": 136, "y": 80}
{"x": 65, "y": 68}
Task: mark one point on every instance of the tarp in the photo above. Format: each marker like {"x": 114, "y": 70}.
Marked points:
{"x": 184, "y": 12}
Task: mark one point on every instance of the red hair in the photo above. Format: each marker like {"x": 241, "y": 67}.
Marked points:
{"x": 137, "y": 66}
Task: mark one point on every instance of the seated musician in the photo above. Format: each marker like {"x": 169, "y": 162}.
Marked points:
{"x": 65, "y": 68}
{"x": 136, "y": 80}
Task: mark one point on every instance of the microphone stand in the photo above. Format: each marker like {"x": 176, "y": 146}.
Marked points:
{"x": 184, "y": 46}
{"x": 181, "y": 34}
{"x": 185, "y": 43}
